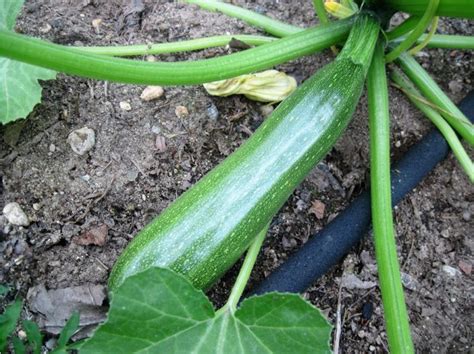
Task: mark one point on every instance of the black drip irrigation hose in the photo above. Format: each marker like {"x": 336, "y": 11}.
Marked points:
{"x": 326, "y": 248}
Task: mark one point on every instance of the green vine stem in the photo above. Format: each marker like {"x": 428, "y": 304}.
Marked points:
{"x": 396, "y": 317}
{"x": 176, "y": 47}
{"x": 406, "y": 26}
{"x": 445, "y": 41}
{"x": 427, "y": 38}
{"x": 76, "y": 62}
{"x": 428, "y": 87}
{"x": 320, "y": 11}
{"x": 449, "y": 134}
{"x": 272, "y": 26}
{"x": 244, "y": 273}
{"x": 415, "y": 33}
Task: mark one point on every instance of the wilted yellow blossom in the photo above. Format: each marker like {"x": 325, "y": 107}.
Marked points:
{"x": 267, "y": 86}
{"x": 342, "y": 9}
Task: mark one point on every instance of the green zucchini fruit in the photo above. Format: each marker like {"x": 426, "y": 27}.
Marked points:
{"x": 210, "y": 226}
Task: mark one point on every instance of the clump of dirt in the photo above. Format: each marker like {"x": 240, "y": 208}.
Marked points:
{"x": 145, "y": 156}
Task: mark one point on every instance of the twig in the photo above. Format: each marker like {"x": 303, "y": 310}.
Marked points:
{"x": 339, "y": 322}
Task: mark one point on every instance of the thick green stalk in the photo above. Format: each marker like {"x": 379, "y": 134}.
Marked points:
{"x": 415, "y": 33}
{"x": 445, "y": 41}
{"x": 435, "y": 94}
{"x": 396, "y": 318}
{"x": 176, "y": 47}
{"x": 453, "y": 8}
{"x": 245, "y": 271}
{"x": 406, "y": 26}
{"x": 270, "y": 25}
{"x": 445, "y": 129}
{"x": 76, "y": 62}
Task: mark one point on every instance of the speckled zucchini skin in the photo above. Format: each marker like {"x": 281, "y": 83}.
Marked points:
{"x": 210, "y": 226}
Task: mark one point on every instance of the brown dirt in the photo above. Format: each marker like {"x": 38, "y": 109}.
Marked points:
{"x": 125, "y": 180}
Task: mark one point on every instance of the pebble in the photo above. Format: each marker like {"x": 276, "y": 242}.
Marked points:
{"x": 266, "y": 110}
{"x": 181, "y": 112}
{"x": 465, "y": 267}
{"x": 36, "y": 206}
{"x": 81, "y": 140}
{"x": 466, "y": 216}
{"x": 15, "y": 215}
{"x": 160, "y": 143}
{"x": 52, "y": 148}
{"x": 151, "y": 93}
{"x": 125, "y": 106}
{"x": 132, "y": 175}
{"x": 409, "y": 282}
{"x": 351, "y": 281}
{"x": 455, "y": 86}
{"x": 452, "y": 272}
{"x": 212, "y": 111}
{"x": 155, "y": 129}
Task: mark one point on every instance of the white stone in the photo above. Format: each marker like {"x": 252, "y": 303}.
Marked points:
{"x": 15, "y": 215}
{"x": 452, "y": 272}
{"x": 125, "y": 106}
{"x": 81, "y": 140}
{"x": 152, "y": 93}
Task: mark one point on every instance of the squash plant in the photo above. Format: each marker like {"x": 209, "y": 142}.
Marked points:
{"x": 212, "y": 224}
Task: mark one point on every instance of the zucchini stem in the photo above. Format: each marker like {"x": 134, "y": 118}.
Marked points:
{"x": 270, "y": 25}
{"x": 244, "y": 273}
{"x": 175, "y": 47}
{"x": 406, "y": 26}
{"x": 415, "y": 33}
{"x": 76, "y": 62}
{"x": 445, "y": 41}
{"x": 428, "y": 87}
{"x": 449, "y": 134}
{"x": 427, "y": 38}
{"x": 396, "y": 317}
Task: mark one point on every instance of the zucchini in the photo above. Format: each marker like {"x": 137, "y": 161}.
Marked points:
{"x": 210, "y": 226}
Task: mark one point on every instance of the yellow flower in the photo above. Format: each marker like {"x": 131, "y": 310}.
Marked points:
{"x": 342, "y": 9}
{"x": 266, "y": 86}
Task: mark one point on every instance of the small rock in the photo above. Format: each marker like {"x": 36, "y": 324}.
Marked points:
{"x": 155, "y": 129}
{"x": 52, "y": 148}
{"x": 132, "y": 175}
{"x": 96, "y": 24}
{"x": 95, "y": 236}
{"x": 36, "y": 206}
{"x": 150, "y": 58}
{"x": 15, "y": 215}
{"x": 181, "y": 112}
{"x": 160, "y": 143}
{"x": 455, "y": 86}
{"x": 409, "y": 282}
{"x": 212, "y": 111}
{"x": 152, "y": 93}
{"x": 81, "y": 140}
{"x": 317, "y": 208}
{"x": 465, "y": 267}
{"x": 266, "y": 110}
{"x": 45, "y": 28}
{"x": 452, "y": 272}
{"x": 466, "y": 216}
{"x": 125, "y": 106}
{"x": 351, "y": 281}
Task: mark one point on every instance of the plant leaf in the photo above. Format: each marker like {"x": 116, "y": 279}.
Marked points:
{"x": 160, "y": 311}
{"x": 67, "y": 332}
{"x": 4, "y": 290}
{"x": 8, "y": 322}
{"x": 18, "y": 346}
{"x": 19, "y": 87}
{"x": 35, "y": 339}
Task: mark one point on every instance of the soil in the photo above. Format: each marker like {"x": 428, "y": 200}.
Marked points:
{"x": 127, "y": 178}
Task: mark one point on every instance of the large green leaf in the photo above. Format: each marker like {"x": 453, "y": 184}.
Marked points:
{"x": 19, "y": 87}
{"x": 8, "y": 322}
{"x": 159, "y": 311}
